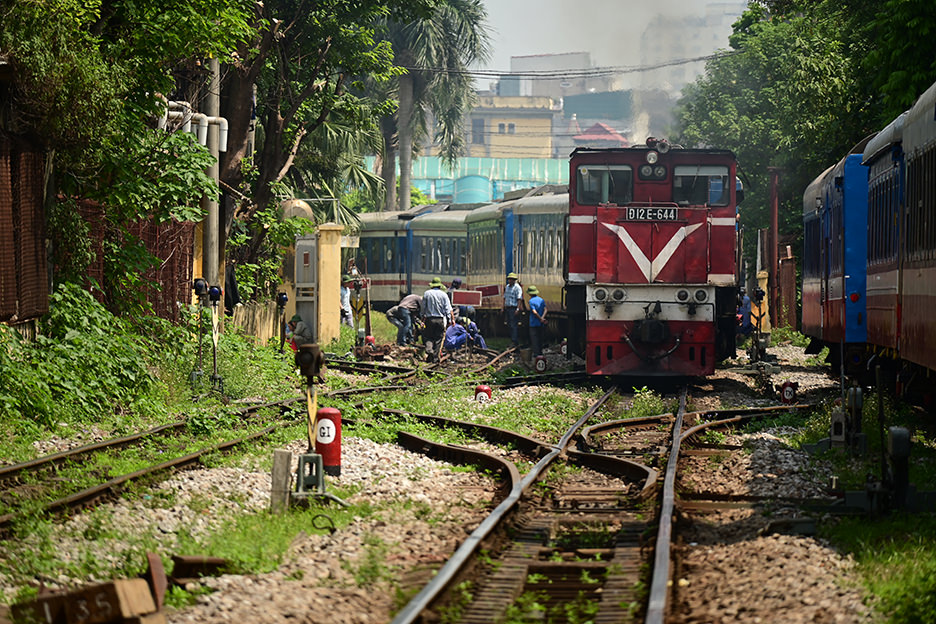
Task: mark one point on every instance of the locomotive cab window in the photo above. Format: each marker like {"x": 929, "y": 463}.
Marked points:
{"x": 699, "y": 185}
{"x": 604, "y": 184}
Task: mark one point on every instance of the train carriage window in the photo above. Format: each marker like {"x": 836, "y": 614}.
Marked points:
{"x": 484, "y": 260}
{"x": 463, "y": 259}
{"x": 437, "y": 257}
{"x": 929, "y": 202}
{"x": 422, "y": 256}
{"x": 698, "y": 185}
{"x": 547, "y": 248}
{"x": 364, "y": 248}
{"x": 543, "y": 250}
{"x": 557, "y": 247}
{"x": 604, "y": 184}
{"x": 528, "y": 250}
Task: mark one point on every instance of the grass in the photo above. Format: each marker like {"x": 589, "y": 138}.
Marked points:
{"x": 896, "y": 559}
{"x": 895, "y": 553}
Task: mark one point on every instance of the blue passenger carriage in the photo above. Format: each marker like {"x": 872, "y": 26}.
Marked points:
{"x": 838, "y": 264}
{"x": 383, "y": 254}
{"x": 439, "y": 246}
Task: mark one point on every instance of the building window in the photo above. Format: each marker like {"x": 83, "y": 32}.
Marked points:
{"x": 511, "y": 128}
{"x": 500, "y": 128}
{"x": 477, "y": 131}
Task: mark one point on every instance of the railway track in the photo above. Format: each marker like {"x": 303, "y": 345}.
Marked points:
{"x": 578, "y": 547}
{"x": 582, "y": 547}
{"x": 22, "y": 484}
{"x": 577, "y": 542}
{"x": 26, "y": 482}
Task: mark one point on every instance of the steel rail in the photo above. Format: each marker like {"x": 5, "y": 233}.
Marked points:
{"x": 452, "y": 567}
{"x": 56, "y": 458}
{"x": 90, "y": 494}
{"x": 659, "y": 588}
{"x": 12, "y": 470}
{"x": 659, "y": 585}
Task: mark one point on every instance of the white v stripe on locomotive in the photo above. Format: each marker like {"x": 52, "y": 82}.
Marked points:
{"x": 648, "y": 268}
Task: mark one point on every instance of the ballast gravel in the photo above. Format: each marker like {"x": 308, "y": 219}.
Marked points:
{"x": 737, "y": 567}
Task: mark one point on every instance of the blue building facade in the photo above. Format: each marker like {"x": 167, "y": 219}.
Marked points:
{"x": 477, "y": 180}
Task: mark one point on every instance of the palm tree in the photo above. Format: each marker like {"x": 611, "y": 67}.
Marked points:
{"x": 332, "y": 163}
{"x": 436, "y": 52}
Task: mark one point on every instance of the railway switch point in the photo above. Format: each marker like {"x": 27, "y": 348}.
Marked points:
{"x": 310, "y": 480}
{"x": 310, "y": 474}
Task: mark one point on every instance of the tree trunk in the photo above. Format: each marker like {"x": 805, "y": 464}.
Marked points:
{"x": 405, "y": 129}
{"x": 237, "y": 107}
{"x": 388, "y": 163}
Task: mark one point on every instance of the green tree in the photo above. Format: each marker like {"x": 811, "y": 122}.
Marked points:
{"x": 84, "y": 83}
{"x": 301, "y": 62}
{"x": 901, "y": 62}
{"x": 436, "y": 52}
{"x": 792, "y": 95}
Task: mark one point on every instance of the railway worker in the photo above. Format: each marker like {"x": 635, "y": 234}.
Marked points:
{"x": 744, "y": 309}
{"x": 301, "y": 333}
{"x": 402, "y": 314}
{"x": 347, "y": 318}
{"x": 456, "y": 337}
{"x": 537, "y": 320}
{"x": 437, "y": 314}
{"x": 513, "y": 300}
{"x": 475, "y": 338}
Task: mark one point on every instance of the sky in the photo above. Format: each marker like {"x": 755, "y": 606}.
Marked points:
{"x": 609, "y": 29}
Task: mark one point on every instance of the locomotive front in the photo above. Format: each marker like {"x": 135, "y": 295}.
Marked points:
{"x": 651, "y": 283}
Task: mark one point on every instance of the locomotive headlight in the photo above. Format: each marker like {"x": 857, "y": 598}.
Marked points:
{"x": 646, "y": 171}
{"x": 601, "y": 294}
{"x": 619, "y": 294}
{"x": 700, "y": 295}
{"x": 682, "y": 295}
{"x": 652, "y": 157}
{"x": 659, "y": 171}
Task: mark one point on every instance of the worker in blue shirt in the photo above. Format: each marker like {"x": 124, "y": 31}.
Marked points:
{"x": 537, "y": 320}
{"x": 437, "y": 314}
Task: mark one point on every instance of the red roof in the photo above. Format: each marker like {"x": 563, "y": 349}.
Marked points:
{"x": 601, "y": 132}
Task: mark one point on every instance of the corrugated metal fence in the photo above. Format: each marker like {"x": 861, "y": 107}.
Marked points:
{"x": 169, "y": 284}
{"x": 24, "y": 292}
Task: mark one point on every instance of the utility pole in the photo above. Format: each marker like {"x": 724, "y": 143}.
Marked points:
{"x": 773, "y": 243}
{"x": 211, "y": 234}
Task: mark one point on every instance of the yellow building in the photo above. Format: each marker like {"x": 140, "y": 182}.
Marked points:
{"x": 511, "y": 127}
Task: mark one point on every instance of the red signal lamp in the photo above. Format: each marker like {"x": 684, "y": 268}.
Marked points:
{"x": 854, "y": 297}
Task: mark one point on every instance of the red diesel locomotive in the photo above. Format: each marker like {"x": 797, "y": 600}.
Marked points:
{"x": 651, "y": 277}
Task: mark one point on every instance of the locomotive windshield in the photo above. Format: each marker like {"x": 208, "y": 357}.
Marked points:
{"x": 698, "y": 185}
{"x": 604, "y": 184}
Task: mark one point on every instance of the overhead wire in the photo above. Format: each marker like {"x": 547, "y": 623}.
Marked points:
{"x": 570, "y": 74}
